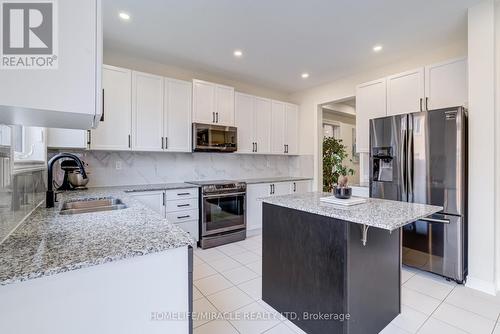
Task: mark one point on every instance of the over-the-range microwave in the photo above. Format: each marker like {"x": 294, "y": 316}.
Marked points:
{"x": 214, "y": 138}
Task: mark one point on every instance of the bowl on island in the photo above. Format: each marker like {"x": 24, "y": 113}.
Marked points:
{"x": 342, "y": 192}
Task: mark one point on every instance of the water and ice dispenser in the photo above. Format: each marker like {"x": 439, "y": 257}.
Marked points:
{"x": 383, "y": 161}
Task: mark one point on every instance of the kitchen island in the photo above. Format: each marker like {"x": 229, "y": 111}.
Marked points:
{"x": 331, "y": 268}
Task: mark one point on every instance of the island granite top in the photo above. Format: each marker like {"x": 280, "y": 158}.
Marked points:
{"x": 47, "y": 243}
{"x": 384, "y": 214}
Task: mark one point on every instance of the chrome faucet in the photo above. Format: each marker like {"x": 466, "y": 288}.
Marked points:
{"x": 49, "y": 198}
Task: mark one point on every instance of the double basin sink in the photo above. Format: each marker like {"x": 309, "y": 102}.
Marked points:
{"x": 89, "y": 205}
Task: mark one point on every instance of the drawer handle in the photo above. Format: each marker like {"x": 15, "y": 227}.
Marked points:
{"x": 183, "y": 217}
{"x": 182, "y": 205}
{"x": 183, "y": 194}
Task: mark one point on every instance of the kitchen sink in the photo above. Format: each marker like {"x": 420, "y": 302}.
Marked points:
{"x": 88, "y": 205}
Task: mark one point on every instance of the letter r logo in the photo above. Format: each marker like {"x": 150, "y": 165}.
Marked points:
{"x": 27, "y": 28}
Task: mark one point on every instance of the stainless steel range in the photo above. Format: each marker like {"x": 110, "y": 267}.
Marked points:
{"x": 222, "y": 212}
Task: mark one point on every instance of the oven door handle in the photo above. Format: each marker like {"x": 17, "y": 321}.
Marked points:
{"x": 225, "y": 195}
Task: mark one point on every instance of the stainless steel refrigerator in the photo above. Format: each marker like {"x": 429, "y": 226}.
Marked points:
{"x": 422, "y": 158}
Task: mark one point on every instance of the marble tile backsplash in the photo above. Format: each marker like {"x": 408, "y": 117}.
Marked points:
{"x": 130, "y": 168}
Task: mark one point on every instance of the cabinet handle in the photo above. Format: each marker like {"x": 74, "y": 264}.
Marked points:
{"x": 182, "y": 205}
{"x": 287, "y": 148}
{"x": 294, "y": 187}
{"x": 102, "y": 115}
{"x": 166, "y": 143}
{"x": 129, "y": 141}
{"x": 427, "y": 104}
{"x": 213, "y": 117}
{"x": 162, "y": 143}
{"x": 216, "y": 117}
{"x": 183, "y": 194}
{"x": 163, "y": 198}
{"x": 256, "y": 147}
{"x": 89, "y": 138}
{"x": 421, "y": 100}
{"x": 183, "y": 217}
{"x": 271, "y": 189}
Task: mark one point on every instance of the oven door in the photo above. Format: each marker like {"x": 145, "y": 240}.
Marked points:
{"x": 223, "y": 213}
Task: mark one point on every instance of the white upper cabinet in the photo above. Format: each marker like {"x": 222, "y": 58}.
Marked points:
{"x": 405, "y": 92}
{"x": 245, "y": 122}
{"x": 147, "y": 112}
{"x": 278, "y": 127}
{"x": 213, "y": 103}
{"x": 68, "y": 96}
{"x": 446, "y": 84}
{"x": 262, "y": 125}
{"x": 66, "y": 138}
{"x": 370, "y": 103}
{"x": 203, "y": 102}
{"x": 291, "y": 129}
{"x": 253, "y": 120}
{"x": 177, "y": 115}
{"x": 224, "y": 101}
{"x": 114, "y": 129}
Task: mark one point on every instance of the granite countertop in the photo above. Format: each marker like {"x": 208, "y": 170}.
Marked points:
{"x": 384, "y": 214}
{"x": 275, "y": 179}
{"x": 48, "y": 243}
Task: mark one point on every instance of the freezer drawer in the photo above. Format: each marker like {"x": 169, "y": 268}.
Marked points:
{"x": 435, "y": 244}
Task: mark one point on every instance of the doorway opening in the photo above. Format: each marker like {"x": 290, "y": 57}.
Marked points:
{"x": 338, "y": 121}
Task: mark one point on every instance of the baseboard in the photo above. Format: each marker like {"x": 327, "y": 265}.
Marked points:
{"x": 251, "y": 233}
{"x": 481, "y": 285}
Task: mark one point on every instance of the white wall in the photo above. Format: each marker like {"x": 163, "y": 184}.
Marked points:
{"x": 482, "y": 147}
{"x": 143, "y": 65}
{"x": 310, "y": 118}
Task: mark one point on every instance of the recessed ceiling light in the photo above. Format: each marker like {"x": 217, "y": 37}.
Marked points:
{"x": 124, "y": 16}
{"x": 377, "y": 48}
{"x": 305, "y": 75}
{"x": 238, "y": 53}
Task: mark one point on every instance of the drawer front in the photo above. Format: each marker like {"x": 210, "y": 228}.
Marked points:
{"x": 190, "y": 227}
{"x": 182, "y": 216}
{"x": 182, "y": 205}
{"x": 176, "y": 194}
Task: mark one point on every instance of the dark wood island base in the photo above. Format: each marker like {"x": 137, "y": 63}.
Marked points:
{"x": 318, "y": 273}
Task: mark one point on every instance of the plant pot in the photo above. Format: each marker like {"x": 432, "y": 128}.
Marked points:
{"x": 342, "y": 192}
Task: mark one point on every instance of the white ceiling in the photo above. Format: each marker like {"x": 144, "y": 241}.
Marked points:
{"x": 282, "y": 38}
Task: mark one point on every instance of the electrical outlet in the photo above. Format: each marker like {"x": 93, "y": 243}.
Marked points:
{"x": 118, "y": 165}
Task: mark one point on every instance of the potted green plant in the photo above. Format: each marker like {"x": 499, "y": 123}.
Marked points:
{"x": 334, "y": 154}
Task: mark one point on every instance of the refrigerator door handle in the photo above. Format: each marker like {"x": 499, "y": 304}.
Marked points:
{"x": 403, "y": 163}
{"x": 409, "y": 159}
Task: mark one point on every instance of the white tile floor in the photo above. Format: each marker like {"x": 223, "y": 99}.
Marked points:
{"x": 228, "y": 279}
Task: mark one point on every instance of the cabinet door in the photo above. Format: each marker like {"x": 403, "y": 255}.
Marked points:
{"x": 203, "y": 102}
{"x": 154, "y": 200}
{"x": 73, "y": 89}
{"x": 224, "y": 104}
{"x": 177, "y": 115}
{"x": 147, "y": 112}
{"x": 370, "y": 103}
{"x": 5, "y": 136}
{"x": 292, "y": 128}
{"x": 405, "y": 92}
{"x": 282, "y": 188}
{"x": 114, "y": 129}
{"x": 66, "y": 138}
{"x": 245, "y": 122}
{"x": 300, "y": 187}
{"x": 263, "y": 120}
{"x": 254, "y": 204}
{"x": 278, "y": 127}
{"x": 446, "y": 84}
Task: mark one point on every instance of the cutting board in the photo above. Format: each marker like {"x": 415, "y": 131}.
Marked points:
{"x": 346, "y": 202}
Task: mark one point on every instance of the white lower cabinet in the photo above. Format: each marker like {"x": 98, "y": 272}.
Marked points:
{"x": 255, "y": 193}
{"x": 179, "y": 206}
